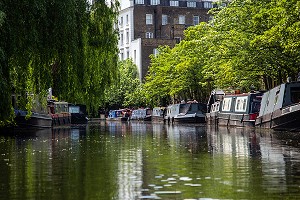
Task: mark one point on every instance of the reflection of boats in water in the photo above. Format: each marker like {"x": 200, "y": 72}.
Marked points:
{"x": 192, "y": 136}
{"x": 280, "y": 107}
{"x": 269, "y": 155}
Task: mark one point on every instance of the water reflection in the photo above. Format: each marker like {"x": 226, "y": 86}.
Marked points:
{"x": 142, "y": 160}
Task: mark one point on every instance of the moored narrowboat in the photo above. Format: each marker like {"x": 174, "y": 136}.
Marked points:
{"x": 118, "y": 115}
{"x": 190, "y": 112}
{"x": 236, "y": 109}
{"x": 35, "y": 120}
{"x": 59, "y": 111}
{"x": 280, "y": 108}
{"x": 143, "y": 114}
{"x": 78, "y": 114}
{"x": 38, "y": 117}
{"x": 158, "y": 114}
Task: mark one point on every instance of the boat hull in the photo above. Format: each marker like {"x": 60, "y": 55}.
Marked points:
{"x": 189, "y": 119}
{"x": 232, "y": 119}
{"x": 282, "y": 119}
{"x": 77, "y": 118}
{"x": 61, "y": 119}
{"x": 35, "y": 121}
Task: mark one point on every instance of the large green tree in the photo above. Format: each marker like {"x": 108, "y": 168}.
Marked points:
{"x": 247, "y": 43}
{"x": 68, "y": 45}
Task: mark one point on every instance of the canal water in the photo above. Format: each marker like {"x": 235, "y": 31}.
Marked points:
{"x": 136, "y": 160}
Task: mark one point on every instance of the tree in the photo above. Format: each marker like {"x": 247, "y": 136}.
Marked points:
{"x": 126, "y": 88}
{"x": 67, "y": 45}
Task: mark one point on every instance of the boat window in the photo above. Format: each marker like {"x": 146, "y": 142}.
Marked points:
{"x": 74, "y": 109}
{"x": 226, "y": 104}
{"x": 184, "y": 108}
{"x": 295, "y": 95}
{"x": 194, "y": 107}
{"x": 241, "y": 104}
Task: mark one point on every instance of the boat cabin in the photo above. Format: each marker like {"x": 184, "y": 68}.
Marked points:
{"x": 280, "y": 107}
{"x": 78, "y": 114}
{"x": 234, "y": 109}
{"x": 186, "y": 112}
{"x": 158, "y": 113}
{"x": 141, "y": 114}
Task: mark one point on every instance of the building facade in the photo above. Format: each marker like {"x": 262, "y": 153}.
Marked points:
{"x": 144, "y": 25}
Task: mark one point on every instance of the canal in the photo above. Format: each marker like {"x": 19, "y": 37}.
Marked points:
{"x": 136, "y": 160}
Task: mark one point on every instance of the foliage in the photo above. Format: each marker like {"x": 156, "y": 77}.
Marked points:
{"x": 247, "y": 43}
{"x": 126, "y": 89}
{"x": 67, "y": 45}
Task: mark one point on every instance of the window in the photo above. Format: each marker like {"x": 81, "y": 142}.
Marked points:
{"x": 121, "y": 21}
{"x": 191, "y": 4}
{"x": 155, "y": 2}
{"x": 155, "y": 52}
{"x": 149, "y": 35}
{"x": 178, "y": 39}
{"x": 139, "y": 1}
{"x": 127, "y": 37}
{"x": 208, "y": 4}
{"x": 241, "y": 104}
{"x": 127, "y": 20}
{"x": 181, "y": 19}
{"x": 226, "y": 104}
{"x": 164, "y": 19}
{"x": 134, "y": 56}
{"x": 149, "y": 19}
{"x": 127, "y": 53}
{"x": 122, "y": 39}
{"x": 122, "y": 56}
{"x": 196, "y": 20}
{"x": 174, "y": 3}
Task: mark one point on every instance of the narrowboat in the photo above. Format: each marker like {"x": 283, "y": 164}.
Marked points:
{"x": 38, "y": 116}
{"x": 78, "y": 114}
{"x": 280, "y": 108}
{"x": 59, "y": 111}
{"x": 158, "y": 114}
{"x": 235, "y": 109}
{"x": 144, "y": 114}
{"x": 118, "y": 115}
{"x": 213, "y": 106}
{"x": 190, "y": 112}
{"x": 35, "y": 120}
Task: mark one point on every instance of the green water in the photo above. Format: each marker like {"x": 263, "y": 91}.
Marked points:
{"x": 116, "y": 160}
